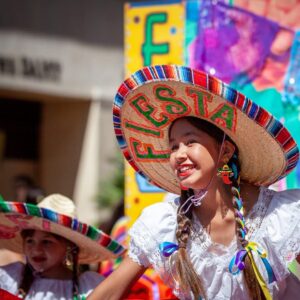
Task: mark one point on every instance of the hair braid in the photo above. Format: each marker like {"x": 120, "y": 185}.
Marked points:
{"x": 27, "y": 280}
{"x": 187, "y": 276}
{"x": 254, "y": 288}
{"x": 75, "y": 286}
{"x": 28, "y": 277}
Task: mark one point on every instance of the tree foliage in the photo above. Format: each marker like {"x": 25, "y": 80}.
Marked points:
{"x": 111, "y": 189}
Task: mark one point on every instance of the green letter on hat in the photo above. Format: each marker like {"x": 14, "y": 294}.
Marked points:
{"x": 225, "y": 116}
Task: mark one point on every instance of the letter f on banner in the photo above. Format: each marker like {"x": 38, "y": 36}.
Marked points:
{"x": 149, "y": 48}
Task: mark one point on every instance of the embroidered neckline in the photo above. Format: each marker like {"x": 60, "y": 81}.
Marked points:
{"x": 258, "y": 212}
{"x": 253, "y": 219}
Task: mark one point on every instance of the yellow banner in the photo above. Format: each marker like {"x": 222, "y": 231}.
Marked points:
{"x": 154, "y": 34}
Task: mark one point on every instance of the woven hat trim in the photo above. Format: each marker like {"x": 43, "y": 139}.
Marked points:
{"x": 212, "y": 85}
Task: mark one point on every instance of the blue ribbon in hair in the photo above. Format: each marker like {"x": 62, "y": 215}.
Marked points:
{"x": 167, "y": 248}
{"x": 237, "y": 263}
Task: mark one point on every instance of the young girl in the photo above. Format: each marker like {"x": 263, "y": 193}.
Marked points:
{"x": 228, "y": 236}
{"x": 54, "y": 242}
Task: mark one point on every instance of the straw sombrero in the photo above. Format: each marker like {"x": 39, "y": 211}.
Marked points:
{"x": 55, "y": 214}
{"x": 149, "y": 100}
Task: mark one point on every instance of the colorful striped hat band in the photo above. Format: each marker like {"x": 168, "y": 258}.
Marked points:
{"x": 152, "y": 98}
{"x": 55, "y": 214}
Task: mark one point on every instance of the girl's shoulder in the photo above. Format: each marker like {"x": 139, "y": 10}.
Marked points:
{"x": 12, "y": 270}
{"x": 273, "y": 204}
{"x": 289, "y": 196}
{"x": 284, "y": 205}
{"x": 276, "y": 209}
{"x": 280, "y": 227}
{"x": 50, "y": 288}
{"x": 88, "y": 281}
{"x": 90, "y": 276}
{"x": 10, "y": 276}
{"x": 160, "y": 216}
{"x": 156, "y": 224}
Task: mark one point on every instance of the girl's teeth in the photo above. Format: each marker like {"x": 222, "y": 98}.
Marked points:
{"x": 185, "y": 169}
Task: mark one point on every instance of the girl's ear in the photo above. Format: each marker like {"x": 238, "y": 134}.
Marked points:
{"x": 228, "y": 151}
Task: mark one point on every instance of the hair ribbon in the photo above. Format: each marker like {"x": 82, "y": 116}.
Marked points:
{"x": 167, "y": 248}
{"x": 237, "y": 264}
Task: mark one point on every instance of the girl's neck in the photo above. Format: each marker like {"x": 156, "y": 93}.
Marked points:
{"x": 61, "y": 273}
{"x": 218, "y": 201}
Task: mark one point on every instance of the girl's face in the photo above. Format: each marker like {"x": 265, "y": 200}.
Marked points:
{"x": 194, "y": 154}
{"x": 45, "y": 253}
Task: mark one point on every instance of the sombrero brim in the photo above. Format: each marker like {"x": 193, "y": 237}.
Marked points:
{"x": 152, "y": 98}
{"x": 94, "y": 245}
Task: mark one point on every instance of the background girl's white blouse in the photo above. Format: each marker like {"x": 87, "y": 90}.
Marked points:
{"x": 273, "y": 222}
{"x": 44, "y": 288}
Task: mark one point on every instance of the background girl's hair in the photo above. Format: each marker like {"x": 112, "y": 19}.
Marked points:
{"x": 27, "y": 278}
{"x": 75, "y": 287}
{"x": 188, "y": 279}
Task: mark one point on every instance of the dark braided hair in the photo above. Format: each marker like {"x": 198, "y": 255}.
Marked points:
{"x": 27, "y": 278}
{"x": 75, "y": 286}
{"x": 188, "y": 278}
{"x": 253, "y": 285}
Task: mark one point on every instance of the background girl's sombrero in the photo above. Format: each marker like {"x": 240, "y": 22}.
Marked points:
{"x": 149, "y": 100}
{"x": 55, "y": 214}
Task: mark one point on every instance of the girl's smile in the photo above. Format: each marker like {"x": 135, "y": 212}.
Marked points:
{"x": 193, "y": 154}
{"x": 46, "y": 253}
{"x": 39, "y": 259}
{"x": 185, "y": 170}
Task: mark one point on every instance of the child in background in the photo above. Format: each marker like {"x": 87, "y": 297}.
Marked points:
{"x": 228, "y": 236}
{"x": 27, "y": 192}
{"x": 54, "y": 242}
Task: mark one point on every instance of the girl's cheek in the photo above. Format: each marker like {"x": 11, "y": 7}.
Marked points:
{"x": 172, "y": 161}
{"x": 27, "y": 250}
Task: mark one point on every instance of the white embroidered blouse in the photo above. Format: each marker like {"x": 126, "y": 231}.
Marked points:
{"x": 273, "y": 223}
{"x": 44, "y": 288}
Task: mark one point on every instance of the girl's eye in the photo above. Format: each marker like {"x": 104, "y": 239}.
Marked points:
{"x": 29, "y": 241}
{"x": 191, "y": 142}
{"x": 173, "y": 148}
{"x": 47, "y": 242}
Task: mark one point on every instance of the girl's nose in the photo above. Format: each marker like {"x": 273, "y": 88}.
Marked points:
{"x": 181, "y": 154}
{"x": 37, "y": 248}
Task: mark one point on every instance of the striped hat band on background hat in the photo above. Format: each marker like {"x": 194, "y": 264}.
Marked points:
{"x": 55, "y": 214}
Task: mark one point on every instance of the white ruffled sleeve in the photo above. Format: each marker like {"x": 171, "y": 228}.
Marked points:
{"x": 155, "y": 225}
{"x": 281, "y": 232}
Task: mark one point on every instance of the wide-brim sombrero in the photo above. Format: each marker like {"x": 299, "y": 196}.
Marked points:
{"x": 94, "y": 245}
{"x": 152, "y": 98}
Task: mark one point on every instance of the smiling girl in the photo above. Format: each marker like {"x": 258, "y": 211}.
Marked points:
{"x": 228, "y": 235}
{"x": 54, "y": 242}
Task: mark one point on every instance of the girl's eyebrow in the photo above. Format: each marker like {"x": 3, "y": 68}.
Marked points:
{"x": 48, "y": 235}
{"x": 189, "y": 133}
